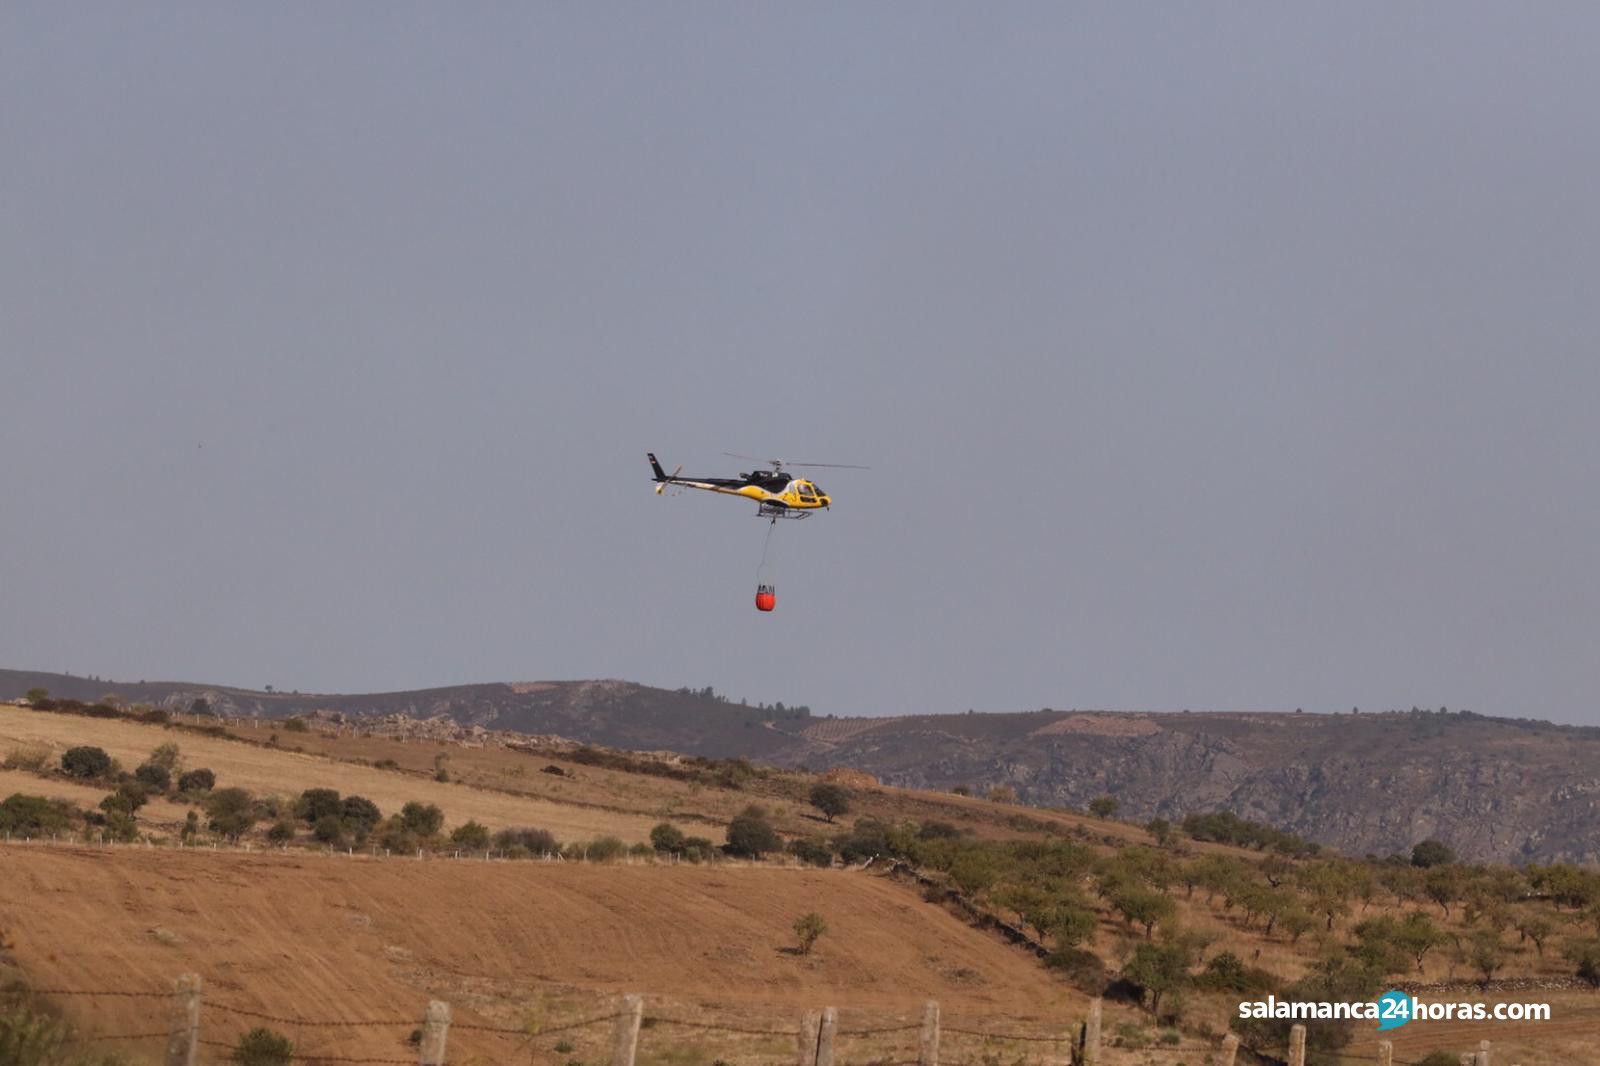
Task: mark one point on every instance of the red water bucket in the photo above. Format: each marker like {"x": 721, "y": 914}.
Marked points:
{"x": 766, "y": 597}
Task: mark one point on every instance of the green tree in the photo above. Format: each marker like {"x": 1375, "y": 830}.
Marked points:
{"x": 316, "y": 804}
{"x": 667, "y": 838}
{"x": 1156, "y": 970}
{"x": 1443, "y": 885}
{"x": 470, "y": 835}
{"x": 282, "y": 831}
{"x": 831, "y": 799}
{"x": 750, "y": 834}
{"x": 1139, "y": 905}
{"x": 1584, "y": 954}
{"x": 809, "y": 928}
{"x": 1534, "y": 926}
{"x": 1486, "y": 953}
{"x": 165, "y": 756}
{"x": 128, "y": 798}
{"x": 328, "y": 830}
{"x": 200, "y": 780}
{"x": 423, "y": 819}
{"x": 232, "y": 812}
{"x": 1103, "y": 806}
{"x": 35, "y": 816}
{"x": 360, "y": 815}
{"x": 37, "y": 696}
{"x": 86, "y": 762}
{"x": 1432, "y": 852}
{"x": 153, "y": 776}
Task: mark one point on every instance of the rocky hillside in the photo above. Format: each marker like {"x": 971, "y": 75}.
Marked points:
{"x": 1492, "y": 788}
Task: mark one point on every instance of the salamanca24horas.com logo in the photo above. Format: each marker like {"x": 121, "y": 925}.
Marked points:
{"x": 1391, "y": 1010}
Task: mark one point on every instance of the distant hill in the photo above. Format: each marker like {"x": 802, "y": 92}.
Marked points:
{"x": 1493, "y": 788}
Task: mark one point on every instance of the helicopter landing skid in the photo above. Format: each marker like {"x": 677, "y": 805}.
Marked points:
{"x": 777, "y": 511}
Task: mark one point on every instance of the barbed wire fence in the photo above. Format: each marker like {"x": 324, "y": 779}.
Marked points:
{"x": 817, "y": 1040}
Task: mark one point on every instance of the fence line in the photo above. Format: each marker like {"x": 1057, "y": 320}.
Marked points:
{"x": 818, "y": 1034}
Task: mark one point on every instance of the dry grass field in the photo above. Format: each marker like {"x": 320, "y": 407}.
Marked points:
{"x": 329, "y": 937}
{"x": 275, "y": 771}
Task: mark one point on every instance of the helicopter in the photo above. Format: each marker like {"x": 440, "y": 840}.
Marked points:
{"x": 777, "y": 494}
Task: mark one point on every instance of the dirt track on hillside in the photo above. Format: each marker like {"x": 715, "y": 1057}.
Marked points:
{"x": 325, "y": 938}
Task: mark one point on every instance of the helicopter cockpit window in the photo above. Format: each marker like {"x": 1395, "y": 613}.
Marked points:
{"x": 817, "y": 489}
{"x": 805, "y": 491}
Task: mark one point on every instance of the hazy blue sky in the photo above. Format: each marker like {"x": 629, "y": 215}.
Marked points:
{"x": 1211, "y": 356}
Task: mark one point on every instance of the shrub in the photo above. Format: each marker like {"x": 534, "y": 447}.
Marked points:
{"x": 867, "y": 839}
{"x": 295, "y": 725}
{"x": 751, "y": 835}
{"x": 733, "y": 773}
{"x": 600, "y": 849}
{"x": 153, "y": 775}
{"x": 1001, "y": 794}
{"x": 531, "y": 841}
{"x": 813, "y": 851}
{"x": 395, "y": 836}
{"x": 129, "y": 797}
{"x": 201, "y": 780}
{"x": 282, "y": 831}
{"x": 699, "y": 849}
{"x": 328, "y": 830}
{"x": 470, "y": 835}
{"x": 316, "y": 804}
{"x": 831, "y": 799}
{"x": 1082, "y": 969}
{"x": 86, "y": 762}
{"x": 423, "y": 819}
{"x": 33, "y": 757}
{"x": 386, "y": 764}
{"x": 232, "y": 812}
{"x": 36, "y": 696}
{"x": 668, "y": 838}
{"x": 809, "y": 929}
{"x": 1226, "y": 972}
{"x": 1103, "y": 806}
{"x": 121, "y": 827}
{"x": 165, "y": 756}
{"x": 33, "y": 816}
{"x": 938, "y": 831}
{"x": 1439, "y": 1058}
{"x": 360, "y": 815}
{"x": 263, "y": 1047}
{"x": 1584, "y": 954}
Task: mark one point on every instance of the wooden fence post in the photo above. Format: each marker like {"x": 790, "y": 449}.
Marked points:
{"x": 928, "y": 1044}
{"x": 1091, "y": 1033}
{"x": 1483, "y": 1053}
{"x": 1297, "y": 1046}
{"x": 435, "y": 1031}
{"x": 810, "y": 1025}
{"x": 183, "y": 1037}
{"x": 1230, "y": 1049}
{"x": 825, "y": 1031}
{"x": 626, "y": 1035}
{"x": 1386, "y": 1053}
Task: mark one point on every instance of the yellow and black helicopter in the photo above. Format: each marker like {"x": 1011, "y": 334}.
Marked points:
{"x": 777, "y": 494}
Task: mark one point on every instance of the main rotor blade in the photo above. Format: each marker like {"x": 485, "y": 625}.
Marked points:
{"x": 785, "y": 463}
{"x": 834, "y": 466}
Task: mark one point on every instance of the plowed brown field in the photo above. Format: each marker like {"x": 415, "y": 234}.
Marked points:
{"x": 326, "y": 938}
